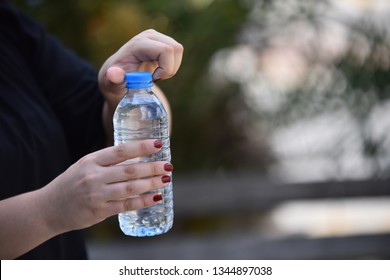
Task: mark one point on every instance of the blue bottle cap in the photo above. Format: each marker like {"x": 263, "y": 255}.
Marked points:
{"x": 138, "y": 80}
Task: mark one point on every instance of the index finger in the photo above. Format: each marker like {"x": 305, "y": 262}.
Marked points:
{"x": 177, "y": 49}
{"x": 117, "y": 154}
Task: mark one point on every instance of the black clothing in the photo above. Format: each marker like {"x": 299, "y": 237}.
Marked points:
{"x": 50, "y": 116}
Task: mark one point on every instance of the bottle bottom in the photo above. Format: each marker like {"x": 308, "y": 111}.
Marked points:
{"x": 145, "y": 231}
{"x": 146, "y": 222}
{"x": 150, "y": 221}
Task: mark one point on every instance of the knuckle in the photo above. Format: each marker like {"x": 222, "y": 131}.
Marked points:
{"x": 146, "y": 33}
{"x": 95, "y": 205}
{"x": 155, "y": 184}
{"x": 130, "y": 204}
{"x": 169, "y": 49}
{"x": 142, "y": 203}
{"x": 87, "y": 179}
{"x": 127, "y": 205}
{"x": 93, "y": 202}
{"x": 130, "y": 171}
{"x": 130, "y": 188}
{"x": 97, "y": 212}
{"x": 85, "y": 160}
{"x": 155, "y": 169}
{"x": 179, "y": 48}
{"x": 144, "y": 148}
{"x": 150, "y": 31}
{"x": 120, "y": 151}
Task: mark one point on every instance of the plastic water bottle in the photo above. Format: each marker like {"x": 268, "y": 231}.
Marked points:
{"x": 141, "y": 115}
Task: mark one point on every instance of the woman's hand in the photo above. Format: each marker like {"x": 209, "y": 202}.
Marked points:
{"x": 148, "y": 51}
{"x": 96, "y": 187}
{"x": 91, "y": 190}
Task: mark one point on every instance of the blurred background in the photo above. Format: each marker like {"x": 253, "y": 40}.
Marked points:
{"x": 281, "y": 123}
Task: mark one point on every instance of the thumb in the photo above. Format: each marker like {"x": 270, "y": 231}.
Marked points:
{"x": 115, "y": 75}
{"x": 113, "y": 81}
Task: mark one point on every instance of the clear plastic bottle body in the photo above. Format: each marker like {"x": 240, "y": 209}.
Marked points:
{"x": 140, "y": 115}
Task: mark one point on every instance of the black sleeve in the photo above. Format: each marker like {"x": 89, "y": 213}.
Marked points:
{"x": 70, "y": 85}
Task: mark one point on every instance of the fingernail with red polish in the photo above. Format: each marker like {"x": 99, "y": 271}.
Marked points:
{"x": 168, "y": 167}
{"x": 157, "y": 198}
{"x": 165, "y": 179}
{"x": 158, "y": 144}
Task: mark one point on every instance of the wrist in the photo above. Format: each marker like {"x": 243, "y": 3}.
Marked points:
{"x": 48, "y": 212}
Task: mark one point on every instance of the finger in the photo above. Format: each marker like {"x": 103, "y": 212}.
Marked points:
{"x": 157, "y": 36}
{"x": 149, "y": 50}
{"x": 116, "y": 75}
{"x": 178, "y": 50}
{"x": 163, "y": 49}
{"x": 125, "y": 172}
{"x": 169, "y": 63}
{"x": 148, "y": 66}
{"x": 122, "y": 190}
{"x": 134, "y": 203}
{"x": 177, "y": 47}
{"x": 117, "y": 154}
{"x": 113, "y": 80}
{"x": 147, "y": 55}
{"x": 146, "y": 48}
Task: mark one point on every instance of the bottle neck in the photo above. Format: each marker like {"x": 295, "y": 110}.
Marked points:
{"x": 139, "y": 91}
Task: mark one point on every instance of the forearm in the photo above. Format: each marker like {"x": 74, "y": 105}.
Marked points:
{"x": 24, "y": 224}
